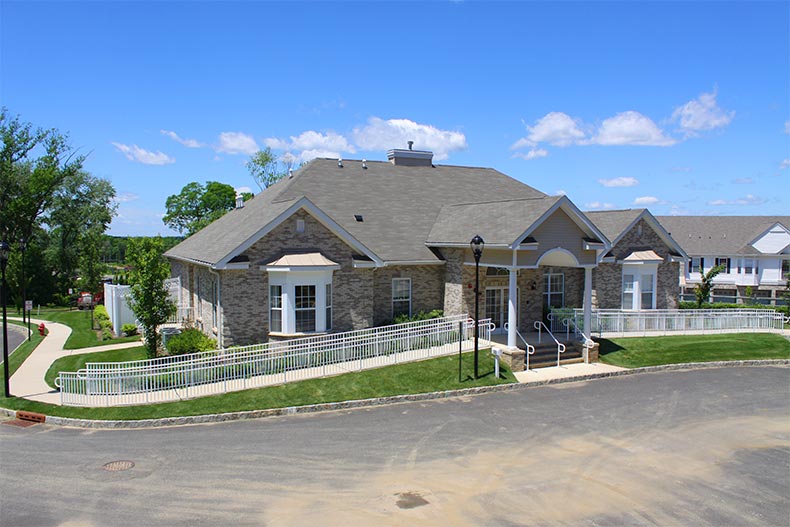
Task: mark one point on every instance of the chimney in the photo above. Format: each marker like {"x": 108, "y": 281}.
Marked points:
{"x": 410, "y": 157}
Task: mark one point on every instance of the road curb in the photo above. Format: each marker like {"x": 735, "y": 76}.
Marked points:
{"x": 381, "y": 401}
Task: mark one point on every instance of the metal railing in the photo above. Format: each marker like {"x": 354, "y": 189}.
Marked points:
{"x": 183, "y": 314}
{"x": 668, "y": 321}
{"x": 528, "y": 348}
{"x": 560, "y": 346}
{"x": 187, "y": 376}
{"x": 587, "y": 342}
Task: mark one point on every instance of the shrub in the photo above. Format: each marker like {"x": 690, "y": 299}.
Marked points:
{"x": 420, "y": 315}
{"x": 721, "y": 305}
{"x": 100, "y": 313}
{"x": 190, "y": 341}
{"x": 106, "y": 334}
{"x": 129, "y": 329}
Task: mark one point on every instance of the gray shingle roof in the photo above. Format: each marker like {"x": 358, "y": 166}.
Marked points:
{"x": 719, "y": 235}
{"x": 498, "y": 223}
{"x": 399, "y": 205}
{"x": 613, "y": 222}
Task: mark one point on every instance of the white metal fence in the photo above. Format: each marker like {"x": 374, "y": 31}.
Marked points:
{"x": 678, "y": 321}
{"x": 182, "y": 377}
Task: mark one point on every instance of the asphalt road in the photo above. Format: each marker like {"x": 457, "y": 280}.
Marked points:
{"x": 706, "y": 447}
{"x": 16, "y": 335}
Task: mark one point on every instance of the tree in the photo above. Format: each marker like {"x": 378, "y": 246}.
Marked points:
{"x": 28, "y": 184}
{"x": 150, "y": 300}
{"x": 703, "y": 289}
{"x": 196, "y": 206}
{"x": 266, "y": 168}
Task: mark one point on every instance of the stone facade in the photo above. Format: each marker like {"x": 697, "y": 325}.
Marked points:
{"x": 608, "y": 277}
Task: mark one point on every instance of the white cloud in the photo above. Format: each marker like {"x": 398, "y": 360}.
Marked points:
{"x": 749, "y": 199}
{"x": 140, "y": 155}
{"x": 784, "y": 164}
{"x": 559, "y": 192}
{"x": 236, "y": 143}
{"x": 311, "y": 144}
{"x": 743, "y": 181}
{"x": 619, "y": 182}
{"x": 597, "y": 205}
{"x": 242, "y": 190}
{"x": 380, "y": 134}
{"x": 554, "y": 128}
{"x": 701, "y": 114}
{"x": 126, "y": 197}
{"x": 189, "y": 143}
{"x": 534, "y": 153}
{"x": 631, "y": 128}
{"x": 646, "y": 200}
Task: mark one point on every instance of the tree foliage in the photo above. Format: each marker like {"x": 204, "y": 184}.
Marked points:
{"x": 196, "y": 206}
{"x": 150, "y": 301}
{"x": 703, "y": 289}
{"x": 266, "y": 168}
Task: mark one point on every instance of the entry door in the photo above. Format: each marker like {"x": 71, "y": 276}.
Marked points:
{"x": 496, "y": 307}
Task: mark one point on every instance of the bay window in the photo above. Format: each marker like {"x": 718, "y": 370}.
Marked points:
{"x": 304, "y": 308}
{"x": 639, "y": 286}
{"x": 276, "y": 308}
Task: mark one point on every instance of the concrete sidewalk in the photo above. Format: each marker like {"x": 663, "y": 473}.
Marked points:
{"x": 564, "y": 372}
{"x": 28, "y": 380}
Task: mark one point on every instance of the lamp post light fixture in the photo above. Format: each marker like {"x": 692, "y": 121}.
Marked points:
{"x": 4, "y": 251}
{"x": 23, "y": 247}
{"x": 477, "y": 245}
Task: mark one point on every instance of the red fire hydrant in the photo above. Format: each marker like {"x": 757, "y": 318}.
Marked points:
{"x": 41, "y": 329}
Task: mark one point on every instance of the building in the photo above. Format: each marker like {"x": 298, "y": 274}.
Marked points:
{"x": 341, "y": 245}
{"x": 754, "y": 250}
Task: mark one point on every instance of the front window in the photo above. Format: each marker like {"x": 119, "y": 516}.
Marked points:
{"x": 748, "y": 266}
{"x": 628, "y": 291}
{"x": 694, "y": 264}
{"x": 304, "y": 307}
{"x": 276, "y": 308}
{"x": 646, "y": 290}
{"x": 725, "y": 262}
{"x": 554, "y": 289}
{"x": 328, "y": 307}
{"x": 401, "y": 297}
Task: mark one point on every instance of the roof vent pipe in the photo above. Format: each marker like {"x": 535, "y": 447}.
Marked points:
{"x": 239, "y": 201}
{"x": 411, "y": 144}
{"x": 340, "y": 162}
{"x": 364, "y": 163}
{"x": 290, "y": 173}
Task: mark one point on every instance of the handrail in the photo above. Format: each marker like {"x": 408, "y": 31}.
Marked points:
{"x": 527, "y": 345}
{"x": 588, "y": 342}
{"x": 560, "y": 346}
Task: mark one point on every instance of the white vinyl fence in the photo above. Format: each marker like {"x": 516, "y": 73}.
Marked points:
{"x": 674, "y": 321}
{"x": 194, "y": 375}
{"x": 117, "y": 303}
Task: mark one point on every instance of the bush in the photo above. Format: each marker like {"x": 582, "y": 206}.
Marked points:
{"x": 129, "y": 329}
{"x": 721, "y": 305}
{"x": 190, "y": 341}
{"x": 106, "y": 334}
{"x": 100, "y": 313}
{"x": 420, "y": 315}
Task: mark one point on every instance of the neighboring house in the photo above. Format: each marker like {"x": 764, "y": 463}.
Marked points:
{"x": 755, "y": 251}
{"x": 344, "y": 245}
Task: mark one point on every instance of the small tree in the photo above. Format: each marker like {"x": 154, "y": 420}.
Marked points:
{"x": 702, "y": 290}
{"x": 266, "y": 168}
{"x": 150, "y": 301}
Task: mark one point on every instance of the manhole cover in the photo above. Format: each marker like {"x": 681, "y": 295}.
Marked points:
{"x": 20, "y": 423}
{"x": 117, "y": 466}
{"x": 410, "y": 500}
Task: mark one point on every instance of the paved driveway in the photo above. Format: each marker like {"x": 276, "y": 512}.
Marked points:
{"x": 16, "y": 336}
{"x": 706, "y": 447}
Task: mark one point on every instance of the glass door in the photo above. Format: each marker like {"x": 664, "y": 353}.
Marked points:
{"x": 496, "y": 307}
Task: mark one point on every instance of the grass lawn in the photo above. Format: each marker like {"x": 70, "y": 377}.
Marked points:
{"x": 82, "y": 336}
{"x": 77, "y": 362}
{"x": 416, "y": 377}
{"x": 635, "y": 352}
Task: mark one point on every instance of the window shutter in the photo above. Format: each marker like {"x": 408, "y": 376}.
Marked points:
{"x": 702, "y": 264}
{"x": 728, "y": 265}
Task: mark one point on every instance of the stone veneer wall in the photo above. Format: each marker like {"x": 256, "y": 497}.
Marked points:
{"x": 608, "y": 277}
{"x": 427, "y": 289}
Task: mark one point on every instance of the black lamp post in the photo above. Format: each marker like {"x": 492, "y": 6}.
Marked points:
{"x": 4, "y": 250}
{"x": 22, "y": 247}
{"x": 477, "y": 245}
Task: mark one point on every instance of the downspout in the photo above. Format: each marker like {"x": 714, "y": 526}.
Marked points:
{"x": 219, "y": 307}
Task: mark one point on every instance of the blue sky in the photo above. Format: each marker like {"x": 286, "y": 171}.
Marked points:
{"x": 680, "y": 107}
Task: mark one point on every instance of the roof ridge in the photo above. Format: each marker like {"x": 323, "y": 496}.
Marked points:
{"x": 499, "y": 201}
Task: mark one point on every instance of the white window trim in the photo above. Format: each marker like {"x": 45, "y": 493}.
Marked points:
{"x": 271, "y": 308}
{"x": 392, "y": 296}
{"x": 548, "y": 293}
{"x": 288, "y": 280}
{"x": 639, "y": 271}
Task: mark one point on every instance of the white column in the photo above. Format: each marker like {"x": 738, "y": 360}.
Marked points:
{"x": 587, "y": 300}
{"x": 512, "y": 298}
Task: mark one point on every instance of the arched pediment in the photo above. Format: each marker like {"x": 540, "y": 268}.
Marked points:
{"x": 558, "y": 257}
